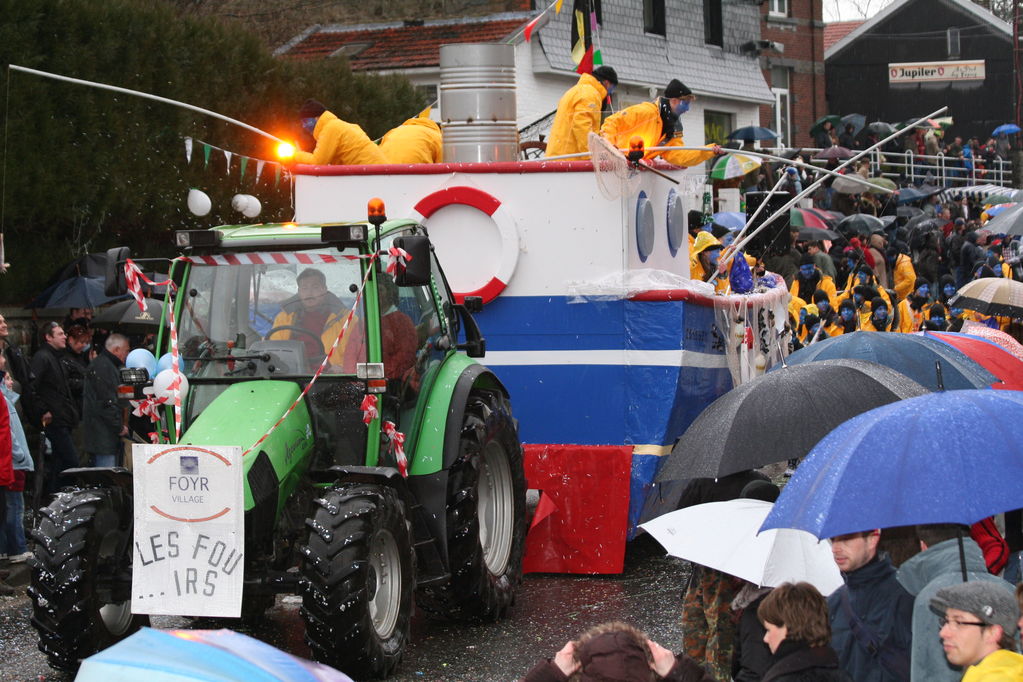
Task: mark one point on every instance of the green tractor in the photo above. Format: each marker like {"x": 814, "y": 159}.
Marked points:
{"x": 332, "y": 511}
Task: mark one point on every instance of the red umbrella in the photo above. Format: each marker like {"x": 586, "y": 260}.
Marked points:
{"x": 988, "y": 354}
{"x": 996, "y": 335}
{"x": 809, "y": 218}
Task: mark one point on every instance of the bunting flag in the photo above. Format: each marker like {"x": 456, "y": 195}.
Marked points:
{"x": 259, "y": 170}
{"x": 227, "y": 155}
{"x": 527, "y": 32}
{"x": 243, "y": 161}
{"x": 584, "y": 28}
{"x": 206, "y": 149}
{"x": 188, "y": 150}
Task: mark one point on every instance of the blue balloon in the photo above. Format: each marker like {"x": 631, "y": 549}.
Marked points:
{"x": 140, "y": 357}
{"x": 164, "y": 363}
{"x": 740, "y": 276}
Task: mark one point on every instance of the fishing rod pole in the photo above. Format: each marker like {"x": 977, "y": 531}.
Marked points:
{"x": 145, "y": 95}
{"x": 806, "y": 192}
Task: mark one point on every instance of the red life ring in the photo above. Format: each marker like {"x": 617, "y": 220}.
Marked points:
{"x": 491, "y": 206}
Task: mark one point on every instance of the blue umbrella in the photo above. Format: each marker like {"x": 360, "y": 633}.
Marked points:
{"x": 210, "y": 655}
{"x": 945, "y": 457}
{"x": 76, "y": 292}
{"x": 733, "y": 220}
{"x": 751, "y": 133}
{"x": 1006, "y": 129}
{"x": 912, "y": 355}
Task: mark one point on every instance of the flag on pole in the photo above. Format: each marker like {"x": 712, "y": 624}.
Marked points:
{"x": 584, "y": 27}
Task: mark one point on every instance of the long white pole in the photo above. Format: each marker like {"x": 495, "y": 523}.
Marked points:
{"x": 144, "y": 95}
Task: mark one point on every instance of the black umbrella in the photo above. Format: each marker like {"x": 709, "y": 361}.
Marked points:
{"x": 909, "y": 211}
{"x": 90, "y": 265}
{"x": 76, "y": 292}
{"x": 816, "y": 234}
{"x": 880, "y": 128}
{"x": 781, "y": 415}
{"x": 126, "y": 317}
{"x": 862, "y": 224}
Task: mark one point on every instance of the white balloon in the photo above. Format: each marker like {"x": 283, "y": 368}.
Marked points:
{"x": 162, "y": 382}
{"x": 252, "y": 208}
{"x": 198, "y": 202}
{"x": 246, "y": 204}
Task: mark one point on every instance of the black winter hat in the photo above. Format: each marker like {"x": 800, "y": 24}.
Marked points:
{"x": 676, "y": 88}
{"x": 807, "y": 259}
{"x": 606, "y": 73}
{"x": 311, "y": 109}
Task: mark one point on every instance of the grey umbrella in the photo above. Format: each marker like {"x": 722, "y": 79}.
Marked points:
{"x": 781, "y": 415}
{"x": 126, "y": 317}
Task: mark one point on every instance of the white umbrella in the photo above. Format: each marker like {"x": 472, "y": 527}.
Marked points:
{"x": 723, "y": 536}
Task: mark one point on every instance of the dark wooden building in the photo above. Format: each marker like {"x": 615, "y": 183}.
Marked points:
{"x": 916, "y": 56}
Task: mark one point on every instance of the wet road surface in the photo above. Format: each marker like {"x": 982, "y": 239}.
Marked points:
{"x": 550, "y": 609}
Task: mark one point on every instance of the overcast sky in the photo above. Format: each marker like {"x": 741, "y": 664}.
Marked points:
{"x": 847, "y": 10}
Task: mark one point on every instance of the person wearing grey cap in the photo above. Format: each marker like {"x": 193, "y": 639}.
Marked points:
{"x": 578, "y": 112}
{"x": 655, "y": 123}
{"x": 978, "y": 629}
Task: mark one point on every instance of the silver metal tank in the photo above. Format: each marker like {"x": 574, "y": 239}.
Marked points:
{"x": 477, "y": 102}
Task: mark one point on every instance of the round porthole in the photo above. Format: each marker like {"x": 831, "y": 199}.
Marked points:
{"x": 676, "y": 222}
{"x": 644, "y": 226}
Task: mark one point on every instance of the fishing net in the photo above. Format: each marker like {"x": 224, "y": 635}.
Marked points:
{"x": 615, "y": 178}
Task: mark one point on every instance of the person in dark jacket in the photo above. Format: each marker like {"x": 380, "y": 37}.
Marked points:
{"x": 795, "y": 618}
{"x": 871, "y": 614}
{"x": 102, "y": 417}
{"x": 970, "y": 255}
{"x": 54, "y": 406}
{"x": 616, "y": 651}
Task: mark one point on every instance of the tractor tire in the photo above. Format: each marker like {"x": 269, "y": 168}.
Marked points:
{"x": 359, "y": 571}
{"x": 81, "y": 577}
{"x": 486, "y": 525}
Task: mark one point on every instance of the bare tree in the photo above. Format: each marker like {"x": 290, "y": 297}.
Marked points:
{"x": 849, "y": 10}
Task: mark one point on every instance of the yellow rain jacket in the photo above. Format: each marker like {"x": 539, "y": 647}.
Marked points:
{"x": 826, "y": 284}
{"x": 340, "y": 143}
{"x": 908, "y": 322}
{"x": 644, "y": 119}
{"x": 417, "y": 140}
{"x": 905, "y": 276}
{"x": 704, "y": 241}
{"x": 289, "y": 316}
{"x": 998, "y": 665}
{"x": 578, "y": 115}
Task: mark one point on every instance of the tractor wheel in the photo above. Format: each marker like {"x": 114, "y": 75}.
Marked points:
{"x": 359, "y": 569}
{"x": 81, "y": 577}
{"x": 486, "y": 527}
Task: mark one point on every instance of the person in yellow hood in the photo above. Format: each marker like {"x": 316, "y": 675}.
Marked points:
{"x": 904, "y": 274}
{"x": 655, "y": 123}
{"x": 337, "y": 142}
{"x": 579, "y": 110}
{"x": 704, "y": 258}
{"x": 417, "y": 140}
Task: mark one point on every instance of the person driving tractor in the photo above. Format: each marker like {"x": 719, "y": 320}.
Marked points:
{"x": 313, "y": 315}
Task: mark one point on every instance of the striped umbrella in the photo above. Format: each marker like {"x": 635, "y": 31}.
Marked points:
{"x": 991, "y": 296}
{"x": 733, "y": 166}
{"x": 805, "y": 217}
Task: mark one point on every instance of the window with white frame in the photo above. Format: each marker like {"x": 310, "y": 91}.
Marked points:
{"x": 778, "y": 8}
{"x": 782, "y": 109}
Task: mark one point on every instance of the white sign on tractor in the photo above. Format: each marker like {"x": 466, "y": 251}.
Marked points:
{"x": 189, "y": 531}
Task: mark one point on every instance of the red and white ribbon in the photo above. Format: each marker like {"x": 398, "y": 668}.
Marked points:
{"x": 369, "y": 408}
{"x": 397, "y": 446}
{"x": 271, "y": 258}
{"x": 147, "y": 407}
{"x": 397, "y": 258}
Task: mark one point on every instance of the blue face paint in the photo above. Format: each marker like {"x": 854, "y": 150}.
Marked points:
{"x": 880, "y": 314}
{"x": 949, "y": 289}
{"x": 923, "y": 291}
{"x": 858, "y": 299}
{"x": 847, "y": 314}
{"x": 309, "y": 124}
{"x": 713, "y": 257}
{"x": 824, "y": 306}
{"x": 802, "y": 315}
{"x": 611, "y": 89}
{"x": 807, "y": 270}
{"x": 813, "y": 330}
{"x": 957, "y": 312}
{"x": 863, "y": 278}
{"x": 938, "y": 320}
{"x": 682, "y": 107}
{"x": 727, "y": 239}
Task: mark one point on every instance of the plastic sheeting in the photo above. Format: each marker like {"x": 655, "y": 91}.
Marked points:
{"x": 628, "y": 283}
{"x": 754, "y": 328}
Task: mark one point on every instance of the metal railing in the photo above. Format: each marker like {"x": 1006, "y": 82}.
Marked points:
{"x": 941, "y": 170}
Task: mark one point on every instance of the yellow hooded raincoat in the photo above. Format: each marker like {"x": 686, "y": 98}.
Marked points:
{"x": 578, "y": 115}
{"x": 644, "y": 119}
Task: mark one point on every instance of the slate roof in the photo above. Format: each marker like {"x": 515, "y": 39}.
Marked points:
{"x": 396, "y": 45}
{"x": 836, "y": 30}
{"x": 639, "y": 57}
{"x": 967, "y": 6}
